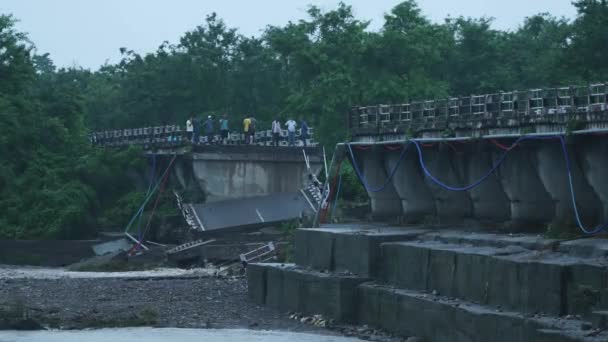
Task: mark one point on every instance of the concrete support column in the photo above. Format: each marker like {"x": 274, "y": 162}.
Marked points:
{"x": 530, "y": 202}
{"x": 450, "y": 205}
{"x": 416, "y": 199}
{"x": 385, "y": 203}
{"x": 182, "y": 172}
{"x": 553, "y": 173}
{"x": 490, "y": 203}
{"x": 593, "y": 158}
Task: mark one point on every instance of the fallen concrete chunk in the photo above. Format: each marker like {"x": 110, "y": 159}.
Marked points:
{"x": 112, "y": 246}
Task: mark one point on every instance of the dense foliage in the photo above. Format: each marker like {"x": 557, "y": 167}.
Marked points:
{"x": 53, "y": 184}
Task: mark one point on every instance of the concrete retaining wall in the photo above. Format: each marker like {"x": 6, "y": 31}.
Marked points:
{"x": 444, "y": 285}
{"x": 438, "y": 319}
{"x": 287, "y": 288}
{"x": 343, "y": 250}
{"x": 485, "y": 275}
{"x": 45, "y": 252}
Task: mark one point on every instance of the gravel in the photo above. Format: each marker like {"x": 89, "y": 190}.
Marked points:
{"x": 164, "y": 298}
{"x": 203, "y": 302}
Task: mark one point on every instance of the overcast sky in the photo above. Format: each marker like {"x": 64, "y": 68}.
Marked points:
{"x": 90, "y": 32}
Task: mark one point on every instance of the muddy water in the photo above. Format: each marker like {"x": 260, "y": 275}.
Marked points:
{"x": 162, "y": 335}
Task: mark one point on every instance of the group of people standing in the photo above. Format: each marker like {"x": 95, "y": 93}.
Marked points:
{"x": 208, "y": 126}
{"x": 291, "y": 126}
{"x": 195, "y": 125}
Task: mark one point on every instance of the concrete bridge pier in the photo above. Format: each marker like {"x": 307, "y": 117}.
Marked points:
{"x": 553, "y": 174}
{"x": 416, "y": 199}
{"x": 490, "y": 203}
{"x": 184, "y": 175}
{"x": 450, "y": 205}
{"x": 531, "y": 204}
{"x": 385, "y": 203}
{"x": 593, "y": 157}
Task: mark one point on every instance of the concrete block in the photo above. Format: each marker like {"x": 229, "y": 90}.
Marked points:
{"x": 314, "y": 249}
{"x": 495, "y": 276}
{"x": 256, "y": 283}
{"x": 527, "y": 241}
{"x": 355, "y": 250}
{"x": 274, "y": 287}
{"x": 289, "y": 288}
{"x": 404, "y": 267}
{"x": 360, "y": 253}
{"x": 438, "y": 319}
{"x": 587, "y": 288}
{"x": 519, "y": 283}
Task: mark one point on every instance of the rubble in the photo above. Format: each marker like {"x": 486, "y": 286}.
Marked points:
{"x": 363, "y": 332}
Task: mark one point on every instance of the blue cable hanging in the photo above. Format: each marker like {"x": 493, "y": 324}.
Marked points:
{"x": 493, "y": 169}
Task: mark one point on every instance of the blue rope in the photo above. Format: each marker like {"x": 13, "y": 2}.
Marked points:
{"x": 600, "y": 227}
{"x": 476, "y": 183}
{"x": 495, "y": 166}
{"x": 388, "y": 179}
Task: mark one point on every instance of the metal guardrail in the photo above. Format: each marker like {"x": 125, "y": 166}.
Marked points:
{"x": 174, "y": 135}
{"x": 504, "y": 109}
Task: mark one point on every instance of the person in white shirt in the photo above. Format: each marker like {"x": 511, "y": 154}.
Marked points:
{"x": 276, "y": 131}
{"x": 291, "y": 131}
{"x": 189, "y": 128}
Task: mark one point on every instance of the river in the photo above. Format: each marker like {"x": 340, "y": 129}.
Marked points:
{"x": 162, "y": 335}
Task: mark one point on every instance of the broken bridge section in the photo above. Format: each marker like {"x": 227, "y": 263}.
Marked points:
{"x": 251, "y": 212}
{"x": 234, "y": 172}
{"x": 246, "y": 187}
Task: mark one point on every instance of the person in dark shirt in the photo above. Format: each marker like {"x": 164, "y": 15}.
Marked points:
{"x": 224, "y": 128}
{"x": 196, "y": 123}
{"x": 209, "y": 129}
{"x": 252, "y": 130}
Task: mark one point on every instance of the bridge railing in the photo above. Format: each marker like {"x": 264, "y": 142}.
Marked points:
{"x": 503, "y": 109}
{"x": 175, "y": 135}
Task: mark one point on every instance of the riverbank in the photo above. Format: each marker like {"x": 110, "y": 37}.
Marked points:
{"x": 55, "y": 298}
{"x": 181, "y": 299}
